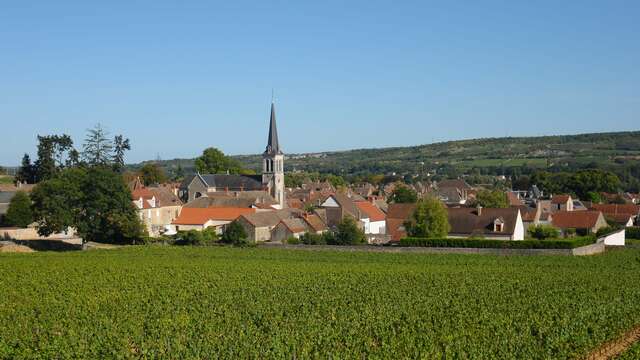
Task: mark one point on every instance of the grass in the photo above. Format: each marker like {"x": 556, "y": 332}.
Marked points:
{"x": 633, "y": 353}
{"x": 177, "y": 302}
{"x": 6, "y": 179}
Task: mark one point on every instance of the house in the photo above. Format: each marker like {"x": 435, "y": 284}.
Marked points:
{"x": 315, "y": 223}
{"x": 500, "y": 224}
{"x": 561, "y": 203}
{"x": 260, "y": 224}
{"x": 339, "y": 205}
{"x": 620, "y": 213}
{"x": 202, "y": 218}
{"x": 514, "y": 199}
{"x": 288, "y": 228}
{"x": 530, "y": 216}
{"x": 488, "y": 223}
{"x": 243, "y": 199}
{"x": 374, "y": 219}
{"x": 157, "y": 208}
{"x": 453, "y": 192}
{"x": 271, "y": 180}
{"x": 584, "y": 222}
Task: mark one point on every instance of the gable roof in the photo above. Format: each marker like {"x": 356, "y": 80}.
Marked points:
{"x": 560, "y": 199}
{"x": 371, "y": 211}
{"x": 199, "y": 216}
{"x": 269, "y": 218}
{"x": 232, "y": 199}
{"x": 400, "y": 211}
{"x": 454, "y": 183}
{"x": 294, "y": 225}
{"x": 222, "y": 181}
{"x": 470, "y": 221}
{"x": 576, "y": 219}
{"x": 513, "y": 198}
{"x": 610, "y": 209}
{"x": 315, "y": 222}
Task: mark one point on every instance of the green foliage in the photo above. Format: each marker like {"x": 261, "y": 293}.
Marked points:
{"x": 28, "y": 172}
{"x": 219, "y": 302}
{"x": 151, "y": 174}
{"x": 120, "y": 146}
{"x": 403, "y": 195}
{"x": 491, "y": 199}
{"x": 632, "y": 233}
{"x": 543, "y": 232}
{"x": 19, "y": 213}
{"x": 235, "y": 234}
{"x": 292, "y": 240}
{"x": 97, "y": 147}
{"x": 499, "y": 244}
{"x": 317, "y": 239}
{"x": 95, "y": 201}
{"x": 207, "y": 236}
{"x": 608, "y": 230}
{"x": 594, "y": 197}
{"x": 348, "y": 233}
{"x": 582, "y": 183}
{"x": 429, "y": 220}
{"x": 214, "y": 161}
{"x": 55, "y": 152}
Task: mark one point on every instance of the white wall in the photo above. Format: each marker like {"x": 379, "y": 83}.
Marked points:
{"x": 377, "y": 227}
{"x": 518, "y": 232}
{"x": 615, "y": 239}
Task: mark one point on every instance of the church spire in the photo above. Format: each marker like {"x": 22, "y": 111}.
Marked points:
{"x": 272, "y": 145}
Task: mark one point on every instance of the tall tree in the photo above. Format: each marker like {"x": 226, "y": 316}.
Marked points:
{"x": 152, "y": 173}
{"x": 53, "y": 153}
{"x": 492, "y": 199}
{"x": 403, "y": 195}
{"x": 120, "y": 146}
{"x": 97, "y": 147}
{"x": 94, "y": 201}
{"x": 27, "y": 172}
{"x": 429, "y": 220}
{"x": 214, "y": 161}
{"x": 19, "y": 212}
{"x": 349, "y": 233}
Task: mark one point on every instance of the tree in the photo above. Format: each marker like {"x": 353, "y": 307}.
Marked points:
{"x": 349, "y": 233}
{"x": 94, "y": 201}
{"x": 522, "y": 183}
{"x": 27, "y": 172}
{"x": 120, "y": 146}
{"x": 152, "y": 173}
{"x": 429, "y": 220}
{"x": 214, "y": 161}
{"x": 404, "y": 195}
{"x": 235, "y": 234}
{"x": 542, "y": 232}
{"x": 179, "y": 173}
{"x": 19, "y": 213}
{"x": 51, "y": 155}
{"x": 492, "y": 199}
{"x": 97, "y": 147}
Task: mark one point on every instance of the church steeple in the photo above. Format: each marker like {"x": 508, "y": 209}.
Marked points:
{"x": 273, "y": 147}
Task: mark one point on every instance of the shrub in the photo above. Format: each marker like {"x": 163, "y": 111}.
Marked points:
{"x": 19, "y": 213}
{"x": 313, "y": 239}
{"x": 633, "y": 232}
{"x": 235, "y": 234}
{"x": 500, "y": 244}
{"x": 542, "y": 232}
{"x": 293, "y": 240}
{"x": 194, "y": 237}
{"x": 429, "y": 219}
{"x": 349, "y": 233}
{"x": 607, "y": 230}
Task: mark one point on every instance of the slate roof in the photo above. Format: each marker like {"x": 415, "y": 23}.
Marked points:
{"x": 273, "y": 146}
{"x": 232, "y": 199}
{"x": 457, "y": 183}
{"x": 469, "y": 221}
{"x": 223, "y": 181}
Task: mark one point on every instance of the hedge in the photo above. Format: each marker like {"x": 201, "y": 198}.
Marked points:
{"x": 633, "y": 232}
{"x": 500, "y": 244}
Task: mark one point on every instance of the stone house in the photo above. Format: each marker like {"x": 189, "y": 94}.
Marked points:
{"x": 586, "y": 222}
{"x": 561, "y": 203}
{"x": 157, "y": 208}
{"x": 260, "y": 224}
{"x": 202, "y": 218}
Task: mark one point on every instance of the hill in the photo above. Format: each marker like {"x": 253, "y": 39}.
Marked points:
{"x": 488, "y": 155}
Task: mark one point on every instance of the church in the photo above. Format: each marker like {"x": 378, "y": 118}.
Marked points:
{"x": 271, "y": 181}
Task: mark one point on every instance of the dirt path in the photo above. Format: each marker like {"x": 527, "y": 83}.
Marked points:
{"x": 616, "y": 347}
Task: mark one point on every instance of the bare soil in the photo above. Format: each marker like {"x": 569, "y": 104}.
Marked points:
{"x": 616, "y": 347}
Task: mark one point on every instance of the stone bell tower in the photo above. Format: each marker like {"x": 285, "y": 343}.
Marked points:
{"x": 273, "y": 163}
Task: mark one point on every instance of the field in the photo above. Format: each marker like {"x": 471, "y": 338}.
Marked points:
{"x": 216, "y": 302}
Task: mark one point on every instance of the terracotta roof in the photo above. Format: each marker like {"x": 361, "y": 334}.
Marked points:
{"x": 528, "y": 214}
{"x": 560, "y": 199}
{"x": 610, "y": 209}
{"x": 294, "y": 225}
{"x": 370, "y": 211}
{"x": 315, "y": 222}
{"x": 576, "y": 219}
{"x": 141, "y": 193}
{"x": 400, "y": 211}
{"x": 199, "y": 216}
{"x": 395, "y": 228}
{"x": 620, "y": 218}
{"x": 513, "y": 198}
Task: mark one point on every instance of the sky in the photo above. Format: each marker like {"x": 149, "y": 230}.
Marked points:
{"x": 178, "y": 77}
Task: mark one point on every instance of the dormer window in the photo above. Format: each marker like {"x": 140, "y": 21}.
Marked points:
{"x": 498, "y": 225}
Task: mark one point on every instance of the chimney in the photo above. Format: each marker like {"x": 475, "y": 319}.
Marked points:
{"x": 479, "y": 210}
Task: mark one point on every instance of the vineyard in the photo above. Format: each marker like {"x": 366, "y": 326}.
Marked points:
{"x": 173, "y": 302}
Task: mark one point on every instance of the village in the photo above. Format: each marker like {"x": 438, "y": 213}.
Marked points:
{"x": 271, "y": 213}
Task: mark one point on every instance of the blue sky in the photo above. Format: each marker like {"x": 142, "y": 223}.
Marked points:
{"x": 177, "y": 77}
